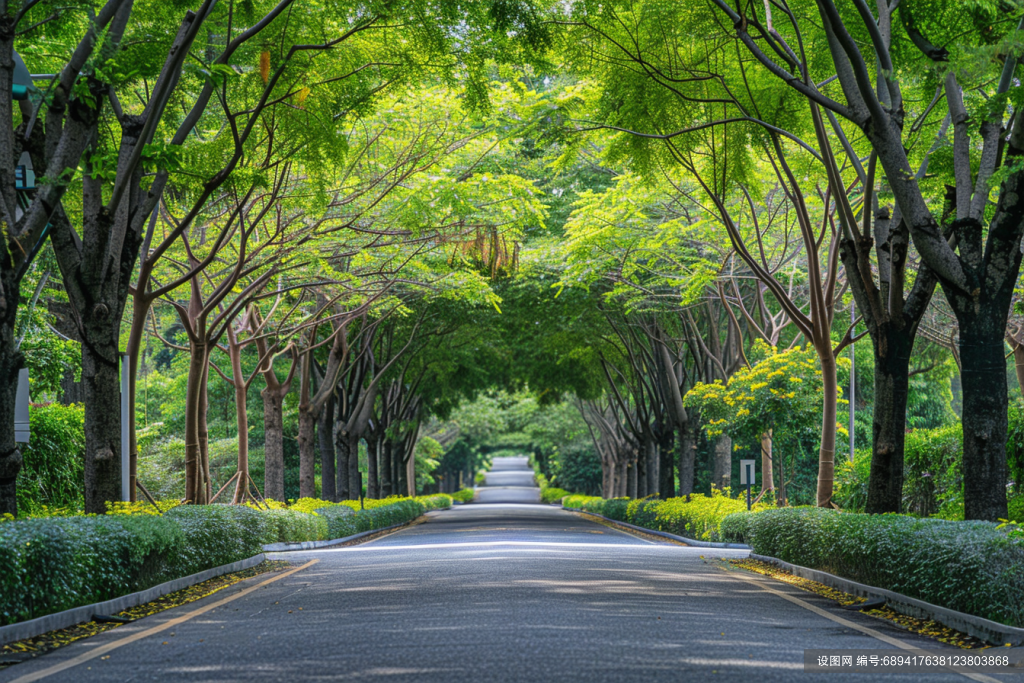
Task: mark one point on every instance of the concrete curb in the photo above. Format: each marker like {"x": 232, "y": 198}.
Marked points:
{"x": 77, "y": 615}
{"x": 315, "y": 545}
{"x": 681, "y": 539}
{"x": 990, "y": 631}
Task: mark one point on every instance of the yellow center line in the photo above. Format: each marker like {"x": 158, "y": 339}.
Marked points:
{"x": 895, "y": 642}
{"x": 103, "y": 649}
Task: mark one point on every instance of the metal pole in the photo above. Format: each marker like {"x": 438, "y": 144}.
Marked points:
{"x": 748, "y": 495}
{"x": 853, "y": 381}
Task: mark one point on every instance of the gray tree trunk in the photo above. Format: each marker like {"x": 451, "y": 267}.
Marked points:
{"x": 721, "y": 474}
{"x": 325, "y": 437}
{"x": 102, "y": 389}
{"x": 273, "y": 445}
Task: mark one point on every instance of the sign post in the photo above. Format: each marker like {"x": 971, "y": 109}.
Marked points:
{"x": 747, "y": 476}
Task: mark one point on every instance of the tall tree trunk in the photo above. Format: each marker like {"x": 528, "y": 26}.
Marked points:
{"x": 307, "y": 454}
{"x": 372, "y": 485}
{"x": 983, "y": 378}
{"x": 102, "y": 390}
{"x": 767, "y": 480}
{"x": 10, "y": 456}
{"x": 889, "y": 422}
{"x": 194, "y": 484}
{"x": 687, "y": 455}
{"x": 402, "y": 473}
{"x": 827, "y": 451}
{"x": 242, "y": 422}
{"x": 343, "y": 446}
{"x": 325, "y": 436}
{"x": 1018, "y": 364}
{"x": 410, "y": 470}
{"x": 204, "y": 431}
{"x": 355, "y": 484}
{"x": 621, "y": 479}
{"x": 631, "y": 478}
{"x": 721, "y": 469}
{"x": 666, "y": 466}
{"x": 273, "y": 426}
{"x": 386, "y": 468}
{"x": 641, "y": 471}
{"x": 651, "y": 456}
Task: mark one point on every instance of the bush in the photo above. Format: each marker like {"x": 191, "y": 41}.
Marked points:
{"x": 553, "y": 494}
{"x": 436, "y": 501}
{"x": 699, "y": 518}
{"x": 216, "y": 535}
{"x": 291, "y": 526}
{"x": 970, "y": 567}
{"x": 51, "y": 474}
{"x": 464, "y": 495}
{"x": 56, "y": 563}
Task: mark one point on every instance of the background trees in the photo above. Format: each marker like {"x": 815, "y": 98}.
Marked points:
{"x": 420, "y": 233}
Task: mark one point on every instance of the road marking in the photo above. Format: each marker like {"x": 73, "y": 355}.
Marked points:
{"x": 866, "y": 630}
{"x": 104, "y": 649}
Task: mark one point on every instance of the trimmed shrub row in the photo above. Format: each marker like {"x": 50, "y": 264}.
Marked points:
{"x": 49, "y": 565}
{"x": 971, "y": 567}
{"x": 699, "y": 517}
{"x": 56, "y": 563}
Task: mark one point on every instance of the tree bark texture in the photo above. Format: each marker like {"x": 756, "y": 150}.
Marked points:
{"x": 687, "y": 455}
{"x": 325, "y": 436}
{"x": 307, "y": 454}
{"x": 386, "y": 469}
{"x": 372, "y": 483}
{"x": 721, "y": 470}
{"x": 827, "y": 450}
{"x": 767, "y": 478}
{"x": 273, "y": 445}
{"x": 889, "y": 423}
{"x": 983, "y": 379}
{"x": 102, "y": 426}
{"x": 10, "y": 455}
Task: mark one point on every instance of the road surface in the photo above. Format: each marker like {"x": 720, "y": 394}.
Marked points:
{"x": 486, "y": 592}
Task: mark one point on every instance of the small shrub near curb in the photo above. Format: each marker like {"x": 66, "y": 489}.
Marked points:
{"x": 553, "y": 494}
{"x": 464, "y": 496}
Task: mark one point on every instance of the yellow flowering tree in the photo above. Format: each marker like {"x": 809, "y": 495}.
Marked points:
{"x": 775, "y": 401}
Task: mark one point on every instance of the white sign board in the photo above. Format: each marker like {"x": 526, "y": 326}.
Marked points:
{"x": 747, "y": 472}
{"x": 21, "y": 429}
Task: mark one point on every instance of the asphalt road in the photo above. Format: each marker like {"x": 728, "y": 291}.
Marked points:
{"x": 488, "y": 592}
{"x": 509, "y": 481}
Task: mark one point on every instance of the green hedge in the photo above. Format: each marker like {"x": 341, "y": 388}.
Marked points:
{"x": 53, "y": 564}
{"x": 698, "y": 517}
{"x": 56, "y": 563}
{"x": 970, "y": 567}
